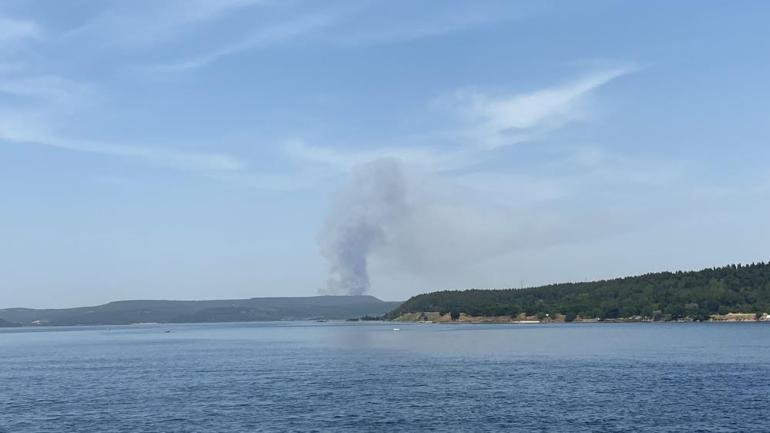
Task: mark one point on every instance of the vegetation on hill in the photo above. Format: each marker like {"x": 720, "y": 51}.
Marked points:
{"x": 231, "y": 310}
{"x": 663, "y": 295}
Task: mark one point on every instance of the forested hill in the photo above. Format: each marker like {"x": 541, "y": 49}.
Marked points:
{"x": 232, "y": 310}
{"x": 670, "y": 295}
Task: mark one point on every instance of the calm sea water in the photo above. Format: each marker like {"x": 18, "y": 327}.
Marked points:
{"x": 367, "y": 377}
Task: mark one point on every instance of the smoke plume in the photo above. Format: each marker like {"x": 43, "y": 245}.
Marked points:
{"x": 435, "y": 227}
{"x": 359, "y": 221}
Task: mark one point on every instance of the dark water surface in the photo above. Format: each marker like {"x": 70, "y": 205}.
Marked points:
{"x": 367, "y": 377}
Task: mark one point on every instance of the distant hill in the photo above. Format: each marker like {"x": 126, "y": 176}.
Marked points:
{"x": 663, "y": 295}
{"x": 233, "y": 310}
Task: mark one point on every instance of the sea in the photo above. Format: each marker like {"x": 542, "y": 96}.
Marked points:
{"x": 386, "y": 377}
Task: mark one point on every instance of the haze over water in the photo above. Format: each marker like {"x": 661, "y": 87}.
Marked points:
{"x": 302, "y": 376}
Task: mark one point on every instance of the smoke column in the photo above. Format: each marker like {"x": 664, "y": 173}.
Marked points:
{"x": 357, "y": 223}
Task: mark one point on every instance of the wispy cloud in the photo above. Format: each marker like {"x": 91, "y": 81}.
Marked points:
{"x": 42, "y": 103}
{"x": 45, "y": 89}
{"x": 27, "y": 131}
{"x": 494, "y": 120}
{"x": 146, "y": 22}
{"x": 489, "y": 122}
{"x": 12, "y": 29}
{"x": 269, "y": 35}
{"x": 352, "y": 25}
{"x": 376, "y": 26}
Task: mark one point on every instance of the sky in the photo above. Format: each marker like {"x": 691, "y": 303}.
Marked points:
{"x": 203, "y": 149}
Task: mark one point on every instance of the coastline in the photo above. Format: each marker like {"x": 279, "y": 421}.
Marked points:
{"x": 433, "y": 317}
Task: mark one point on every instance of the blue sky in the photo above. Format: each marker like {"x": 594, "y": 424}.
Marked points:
{"x": 225, "y": 148}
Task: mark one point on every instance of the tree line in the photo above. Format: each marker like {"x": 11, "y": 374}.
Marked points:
{"x": 661, "y": 296}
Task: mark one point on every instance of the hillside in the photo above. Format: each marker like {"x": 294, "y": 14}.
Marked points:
{"x": 6, "y": 324}
{"x": 665, "y": 295}
{"x": 233, "y": 310}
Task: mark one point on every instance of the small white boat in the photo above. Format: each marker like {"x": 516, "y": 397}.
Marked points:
{"x": 396, "y": 329}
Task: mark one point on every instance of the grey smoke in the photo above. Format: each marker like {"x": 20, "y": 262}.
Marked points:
{"x": 359, "y": 222}
{"x": 433, "y": 226}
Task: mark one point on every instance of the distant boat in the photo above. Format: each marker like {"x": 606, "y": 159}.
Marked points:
{"x": 396, "y": 329}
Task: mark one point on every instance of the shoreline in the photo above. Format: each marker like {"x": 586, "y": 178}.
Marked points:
{"x": 430, "y": 317}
